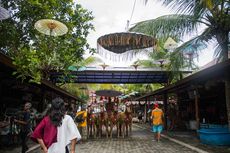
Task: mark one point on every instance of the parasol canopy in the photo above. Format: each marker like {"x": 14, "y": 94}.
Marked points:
{"x": 51, "y": 27}
{"x": 103, "y": 66}
{"x": 162, "y": 62}
{"x": 4, "y": 14}
{"x": 121, "y": 42}
{"x": 170, "y": 44}
{"x": 108, "y": 93}
{"x": 135, "y": 66}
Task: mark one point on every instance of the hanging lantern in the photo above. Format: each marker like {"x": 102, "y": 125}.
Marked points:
{"x": 119, "y": 43}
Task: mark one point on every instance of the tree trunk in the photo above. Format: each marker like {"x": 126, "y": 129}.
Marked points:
{"x": 227, "y": 95}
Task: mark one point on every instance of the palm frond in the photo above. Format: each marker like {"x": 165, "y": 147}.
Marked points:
{"x": 204, "y": 38}
{"x": 175, "y": 25}
{"x": 195, "y": 42}
{"x": 92, "y": 60}
{"x": 177, "y": 63}
{"x": 198, "y": 8}
{"x": 160, "y": 54}
{"x": 218, "y": 54}
{"x": 181, "y": 6}
{"x": 88, "y": 61}
{"x": 145, "y": 63}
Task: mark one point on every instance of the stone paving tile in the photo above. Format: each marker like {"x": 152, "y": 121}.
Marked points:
{"x": 190, "y": 137}
{"x": 139, "y": 142}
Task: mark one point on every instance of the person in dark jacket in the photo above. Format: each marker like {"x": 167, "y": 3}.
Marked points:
{"x": 25, "y": 126}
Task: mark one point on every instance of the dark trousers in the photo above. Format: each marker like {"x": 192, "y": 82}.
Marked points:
{"x": 24, "y": 139}
{"x": 66, "y": 149}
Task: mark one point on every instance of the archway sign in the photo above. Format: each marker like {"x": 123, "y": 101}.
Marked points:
{"x": 123, "y": 46}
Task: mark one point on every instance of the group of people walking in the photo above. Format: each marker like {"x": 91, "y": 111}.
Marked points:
{"x": 58, "y": 132}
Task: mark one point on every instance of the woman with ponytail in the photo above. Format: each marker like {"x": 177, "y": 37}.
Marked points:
{"x": 57, "y": 132}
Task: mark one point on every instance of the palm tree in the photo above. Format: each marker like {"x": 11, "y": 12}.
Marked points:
{"x": 80, "y": 89}
{"x": 91, "y": 60}
{"x": 213, "y": 15}
{"x": 160, "y": 57}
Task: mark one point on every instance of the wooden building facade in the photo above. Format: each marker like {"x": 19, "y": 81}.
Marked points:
{"x": 202, "y": 97}
{"x": 14, "y": 93}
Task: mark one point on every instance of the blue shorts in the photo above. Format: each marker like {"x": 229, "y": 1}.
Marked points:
{"x": 157, "y": 128}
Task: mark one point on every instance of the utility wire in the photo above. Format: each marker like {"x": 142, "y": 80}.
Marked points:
{"x": 129, "y": 21}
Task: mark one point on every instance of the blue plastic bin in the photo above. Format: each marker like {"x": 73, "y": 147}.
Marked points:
{"x": 215, "y": 136}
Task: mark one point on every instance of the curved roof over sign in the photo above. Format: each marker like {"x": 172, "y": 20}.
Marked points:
{"x": 125, "y": 41}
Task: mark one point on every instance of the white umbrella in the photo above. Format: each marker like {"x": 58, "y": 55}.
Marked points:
{"x": 51, "y": 27}
{"x": 4, "y": 14}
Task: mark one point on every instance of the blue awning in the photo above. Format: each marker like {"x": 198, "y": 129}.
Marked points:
{"x": 115, "y": 76}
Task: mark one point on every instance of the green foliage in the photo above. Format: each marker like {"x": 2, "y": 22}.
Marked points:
{"x": 140, "y": 88}
{"x": 86, "y": 62}
{"x": 80, "y": 90}
{"x": 29, "y": 62}
{"x": 36, "y": 54}
{"x": 167, "y": 26}
{"x": 83, "y": 90}
{"x": 214, "y": 15}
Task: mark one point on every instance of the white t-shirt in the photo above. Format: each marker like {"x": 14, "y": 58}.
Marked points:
{"x": 65, "y": 133}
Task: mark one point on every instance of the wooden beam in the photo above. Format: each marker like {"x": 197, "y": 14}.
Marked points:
{"x": 165, "y": 110}
{"x": 145, "y": 116}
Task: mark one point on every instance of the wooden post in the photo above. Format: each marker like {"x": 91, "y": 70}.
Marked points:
{"x": 197, "y": 108}
{"x": 145, "y": 116}
{"x": 165, "y": 110}
{"x": 134, "y": 110}
{"x": 179, "y": 103}
{"x": 227, "y": 95}
{"x": 149, "y": 114}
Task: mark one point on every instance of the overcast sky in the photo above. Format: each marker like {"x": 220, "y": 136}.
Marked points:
{"x": 112, "y": 15}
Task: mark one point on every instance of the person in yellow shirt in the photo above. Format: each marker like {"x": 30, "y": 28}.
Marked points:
{"x": 81, "y": 119}
{"x": 157, "y": 118}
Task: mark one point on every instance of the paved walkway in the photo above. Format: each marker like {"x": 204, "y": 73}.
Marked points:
{"x": 190, "y": 140}
{"x": 139, "y": 142}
